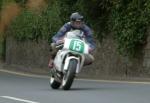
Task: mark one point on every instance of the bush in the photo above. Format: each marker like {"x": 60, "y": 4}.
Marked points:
{"x": 96, "y": 13}
{"x": 21, "y": 2}
{"x": 1, "y": 1}
{"x": 25, "y": 26}
{"x": 129, "y": 22}
{"x": 50, "y": 21}
{"x": 32, "y": 26}
{"x": 127, "y": 19}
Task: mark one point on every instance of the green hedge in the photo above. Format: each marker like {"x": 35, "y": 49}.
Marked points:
{"x": 1, "y": 1}
{"x": 21, "y": 2}
{"x": 130, "y": 19}
{"x": 1, "y": 43}
{"x": 97, "y": 14}
{"x": 25, "y": 26}
{"x": 126, "y": 19}
{"x": 33, "y": 26}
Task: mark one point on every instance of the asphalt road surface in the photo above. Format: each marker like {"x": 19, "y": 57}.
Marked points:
{"x": 22, "y": 89}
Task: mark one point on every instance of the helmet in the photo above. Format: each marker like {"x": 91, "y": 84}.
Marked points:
{"x": 76, "y": 20}
{"x": 76, "y": 17}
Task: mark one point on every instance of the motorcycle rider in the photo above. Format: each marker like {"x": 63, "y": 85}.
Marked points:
{"x": 76, "y": 22}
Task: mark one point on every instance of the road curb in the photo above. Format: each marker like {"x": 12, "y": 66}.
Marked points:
{"x": 23, "y": 74}
{"x": 81, "y": 79}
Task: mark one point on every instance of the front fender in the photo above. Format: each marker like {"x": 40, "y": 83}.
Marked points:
{"x": 67, "y": 60}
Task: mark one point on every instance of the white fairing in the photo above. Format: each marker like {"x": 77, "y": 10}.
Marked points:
{"x": 63, "y": 56}
{"x": 74, "y": 34}
{"x": 59, "y": 59}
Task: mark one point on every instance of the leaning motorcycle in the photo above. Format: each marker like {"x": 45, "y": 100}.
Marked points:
{"x": 69, "y": 60}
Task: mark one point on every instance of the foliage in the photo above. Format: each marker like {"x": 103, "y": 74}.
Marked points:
{"x": 33, "y": 26}
{"x": 66, "y": 8}
{"x": 96, "y": 14}
{"x": 130, "y": 19}
{"x": 50, "y": 21}
{"x": 1, "y": 2}
{"x": 126, "y": 19}
{"x": 1, "y": 42}
{"x": 21, "y": 2}
{"x": 27, "y": 28}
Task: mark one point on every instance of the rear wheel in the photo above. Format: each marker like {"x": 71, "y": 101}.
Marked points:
{"x": 70, "y": 74}
{"x": 54, "y": 82}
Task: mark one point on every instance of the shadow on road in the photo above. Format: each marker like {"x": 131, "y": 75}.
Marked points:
{"x": 85, "y": 89}
{"x": 96, "y": 89}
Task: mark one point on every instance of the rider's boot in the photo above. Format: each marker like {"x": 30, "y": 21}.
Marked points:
{"x": 51, "y": 63}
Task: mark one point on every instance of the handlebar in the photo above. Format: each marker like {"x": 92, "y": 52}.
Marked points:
{"x": 59, "y": 46}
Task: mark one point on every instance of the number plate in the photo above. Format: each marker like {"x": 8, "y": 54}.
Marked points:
{"x": 76, "y": 45}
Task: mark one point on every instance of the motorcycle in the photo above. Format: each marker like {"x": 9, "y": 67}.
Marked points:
{"x": 69, "y": 60}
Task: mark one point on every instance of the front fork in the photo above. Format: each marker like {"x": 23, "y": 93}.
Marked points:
{"x": 66, "y": 64}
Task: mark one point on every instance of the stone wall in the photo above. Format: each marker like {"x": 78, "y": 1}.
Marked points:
{"x": 28, "y": 53}
{"x": 108, "y": 63}
{"x": 146, "y": 61}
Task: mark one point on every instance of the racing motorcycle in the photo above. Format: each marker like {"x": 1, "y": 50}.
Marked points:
{"x": 69, "y": 60}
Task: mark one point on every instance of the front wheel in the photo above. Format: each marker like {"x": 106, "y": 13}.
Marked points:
{"x": 70, "y": 74}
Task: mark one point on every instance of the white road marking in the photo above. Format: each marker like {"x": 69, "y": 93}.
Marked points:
{"x": 18, "y": 99}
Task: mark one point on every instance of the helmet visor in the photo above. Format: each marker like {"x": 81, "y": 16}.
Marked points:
{"x": 77, "y": 19}
{"x": 77, "y": 24}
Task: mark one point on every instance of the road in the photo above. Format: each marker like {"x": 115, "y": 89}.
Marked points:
{"x": 22, "y": 89}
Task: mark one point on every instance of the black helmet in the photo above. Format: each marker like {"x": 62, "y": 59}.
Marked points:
{"x": 76, "y": 17}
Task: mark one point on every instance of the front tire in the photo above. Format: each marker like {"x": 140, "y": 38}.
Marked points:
{"x": 70, "y": 74}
